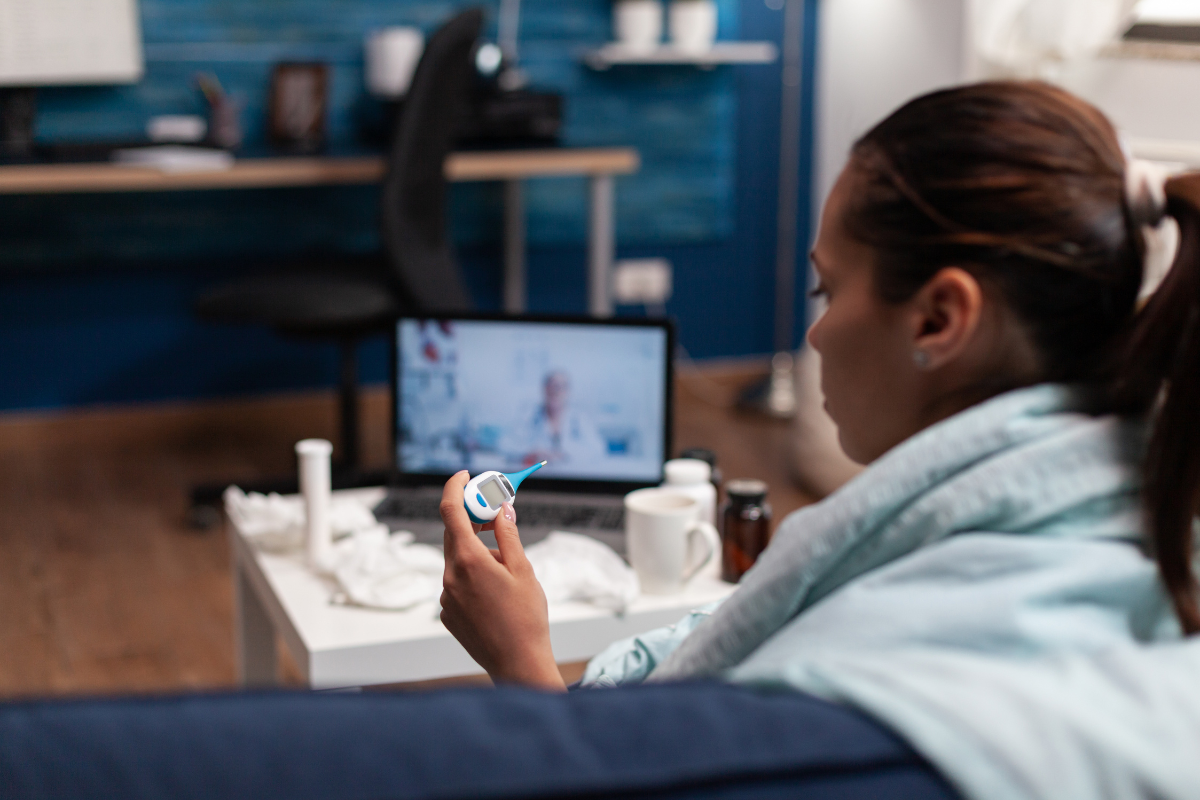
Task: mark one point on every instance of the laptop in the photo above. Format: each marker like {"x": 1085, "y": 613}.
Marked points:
{"x": 487, "y": 392}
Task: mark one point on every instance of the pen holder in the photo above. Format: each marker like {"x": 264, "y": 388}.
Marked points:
{"x": 225, "y": 122}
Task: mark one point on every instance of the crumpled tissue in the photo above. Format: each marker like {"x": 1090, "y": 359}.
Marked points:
{"x": 575, "y": 568}
{"x": 275, "y": 523}
{"x": 376, "y": 569}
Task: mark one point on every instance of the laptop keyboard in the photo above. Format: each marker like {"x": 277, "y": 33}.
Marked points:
{"x": 400, "y": 505}
{"x": 552, "y": 515}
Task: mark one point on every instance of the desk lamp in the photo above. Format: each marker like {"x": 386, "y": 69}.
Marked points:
{"x": 776, "y": 396}
{"x": 508, "y": 27}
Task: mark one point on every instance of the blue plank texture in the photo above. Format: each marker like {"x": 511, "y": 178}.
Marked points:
{"x": 107, "y": 281}
{"x": 683, "y": 120}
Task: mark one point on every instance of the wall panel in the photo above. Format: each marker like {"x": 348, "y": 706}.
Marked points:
{"x": 95, "y": 291}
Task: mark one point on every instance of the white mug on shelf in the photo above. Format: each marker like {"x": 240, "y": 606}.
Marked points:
{"x": 638, "y": 24}
{"x": 667, "y": 543}
{"x": 692, "y": 25}
{"x": 391, "y": 57}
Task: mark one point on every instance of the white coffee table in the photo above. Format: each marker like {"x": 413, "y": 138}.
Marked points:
{"x": 343, "y": 646}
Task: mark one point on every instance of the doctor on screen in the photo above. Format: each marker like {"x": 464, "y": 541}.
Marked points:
{"x": 557, "y": 432}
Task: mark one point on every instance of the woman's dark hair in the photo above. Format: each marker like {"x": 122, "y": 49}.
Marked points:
{"x": 1023, "y": 184}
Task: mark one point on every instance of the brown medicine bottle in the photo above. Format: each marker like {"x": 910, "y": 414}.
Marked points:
{"x": 746, "y": 527}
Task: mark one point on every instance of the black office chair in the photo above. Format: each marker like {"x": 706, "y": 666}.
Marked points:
{"x": 352, "y": 299}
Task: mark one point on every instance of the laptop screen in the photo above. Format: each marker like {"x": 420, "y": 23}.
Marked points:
{"x": 589, "y": 397}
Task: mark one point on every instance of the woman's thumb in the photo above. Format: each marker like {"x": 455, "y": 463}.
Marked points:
{"x": 508, "y": 539}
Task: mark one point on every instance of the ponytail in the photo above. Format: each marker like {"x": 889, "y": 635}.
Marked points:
{"x": 1027, "y": 185}
{"x": 1158, "y": 372}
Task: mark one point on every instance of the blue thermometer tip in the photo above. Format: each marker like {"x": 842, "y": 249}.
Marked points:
{"x": 515, "y": 478}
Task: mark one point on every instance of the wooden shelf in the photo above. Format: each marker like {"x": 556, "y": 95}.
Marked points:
{"x": 615, "y": 53}
{"x": 495, "y": 165}
{"x": 475, "y": 165}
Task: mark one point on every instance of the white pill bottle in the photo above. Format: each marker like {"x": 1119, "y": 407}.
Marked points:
{"x": 693, "y": 477}
{"x": 313, "y": 456}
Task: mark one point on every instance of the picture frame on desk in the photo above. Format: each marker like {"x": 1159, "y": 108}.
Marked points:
{"x": 18, "y": 113}
{"x": 297, "y": 107}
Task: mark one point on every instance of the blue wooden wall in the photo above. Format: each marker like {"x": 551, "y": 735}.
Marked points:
{"x": 95, "y": 290}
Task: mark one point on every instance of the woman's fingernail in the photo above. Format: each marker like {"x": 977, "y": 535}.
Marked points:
{"x": 509, "y": 512}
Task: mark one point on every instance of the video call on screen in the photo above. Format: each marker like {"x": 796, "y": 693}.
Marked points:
{"x": 483, "y": 395}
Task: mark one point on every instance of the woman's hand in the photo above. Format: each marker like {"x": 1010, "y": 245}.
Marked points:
{"x": 491, "y": 601}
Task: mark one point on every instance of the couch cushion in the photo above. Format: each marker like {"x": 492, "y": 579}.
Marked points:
{"x": 684, "y": 740}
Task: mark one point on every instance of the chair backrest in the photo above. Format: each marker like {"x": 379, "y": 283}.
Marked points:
{"x": 413, "y": 213}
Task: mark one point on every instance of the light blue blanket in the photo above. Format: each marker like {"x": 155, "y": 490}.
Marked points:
{"x": 983, "y": 590}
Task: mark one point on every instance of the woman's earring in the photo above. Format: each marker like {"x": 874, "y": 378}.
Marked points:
{"x": 921, "y": 359}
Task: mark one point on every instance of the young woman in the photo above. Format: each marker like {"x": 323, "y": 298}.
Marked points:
{"x": 1022, "y": 539}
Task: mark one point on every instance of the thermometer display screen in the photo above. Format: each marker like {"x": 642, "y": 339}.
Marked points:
{"x": 492, "y": 492}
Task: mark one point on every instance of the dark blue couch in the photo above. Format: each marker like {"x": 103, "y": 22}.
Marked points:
{"x": 677, "y": 741}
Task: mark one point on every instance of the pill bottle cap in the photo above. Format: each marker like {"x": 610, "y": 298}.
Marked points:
{"x": 702, "y": 453}
{"x": 746, "y": 490}
{"x": 313, "y": 447}
{"x": 687, "y": 471}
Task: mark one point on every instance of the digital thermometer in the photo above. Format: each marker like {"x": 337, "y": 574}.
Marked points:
{"x": 486, "y": 492}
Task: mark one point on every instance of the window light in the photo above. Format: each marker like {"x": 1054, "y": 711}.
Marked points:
{"x": 1168, "y": 12}
{"x": 1166, "y": 21}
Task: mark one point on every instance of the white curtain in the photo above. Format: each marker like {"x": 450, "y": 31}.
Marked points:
{"x": 1038, "y": 38}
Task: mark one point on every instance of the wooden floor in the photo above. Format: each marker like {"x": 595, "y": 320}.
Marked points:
{"x": 104, "y": 588}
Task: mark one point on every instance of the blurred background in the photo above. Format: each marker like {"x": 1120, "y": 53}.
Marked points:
{"x": 118, "y": 398}
{"x": 96, "y": 303}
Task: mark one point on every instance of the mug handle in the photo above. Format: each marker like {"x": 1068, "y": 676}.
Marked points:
{"x": 711, "y": 538}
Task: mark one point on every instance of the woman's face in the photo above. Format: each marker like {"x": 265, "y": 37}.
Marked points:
{"x": 868, "y": 376}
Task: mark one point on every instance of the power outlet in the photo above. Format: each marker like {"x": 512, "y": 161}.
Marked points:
{"x": 642, "y": 281}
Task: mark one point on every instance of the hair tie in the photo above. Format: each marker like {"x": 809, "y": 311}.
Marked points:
{"x": 1146, "y": 199}
{"x": 1145, "y": 192}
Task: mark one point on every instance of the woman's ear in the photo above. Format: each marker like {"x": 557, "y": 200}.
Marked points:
{"x": 946, "y": 315}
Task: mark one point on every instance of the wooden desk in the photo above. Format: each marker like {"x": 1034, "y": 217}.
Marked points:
{"x": 512, "y": 167}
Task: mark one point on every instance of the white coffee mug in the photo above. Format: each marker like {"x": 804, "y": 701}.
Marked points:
{"x": 391, "y": 59}
{"x": 638, "y": 24}
{"x": 666, "y": 541}
{"x": 692, "y": 25}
